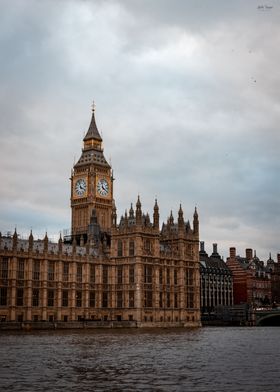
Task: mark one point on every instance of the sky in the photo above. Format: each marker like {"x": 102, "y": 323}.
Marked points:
{"x": 187, "y": 97}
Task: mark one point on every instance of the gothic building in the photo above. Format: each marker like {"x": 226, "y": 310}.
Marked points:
{"x": 129, "y": 271}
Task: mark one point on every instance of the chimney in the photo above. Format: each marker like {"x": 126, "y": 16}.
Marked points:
{"x": 232, "y": 253}
{"x": 278, "y": 258}
{"x": 215, "y": 248}
{"x": 202, "y": 249}
{"x": 249, "y": 254}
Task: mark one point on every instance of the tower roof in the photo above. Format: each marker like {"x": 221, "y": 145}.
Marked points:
{"x": 92, "y": 152}
{"x": 92, "y": 132}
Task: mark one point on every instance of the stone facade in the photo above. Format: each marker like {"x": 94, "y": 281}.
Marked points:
{"x": 129, "y": 270}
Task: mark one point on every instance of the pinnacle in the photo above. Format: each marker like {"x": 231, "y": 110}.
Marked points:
{"x": 92, "y": 132}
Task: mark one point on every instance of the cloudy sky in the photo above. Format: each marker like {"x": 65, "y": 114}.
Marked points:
{"x": 187, "y": 101}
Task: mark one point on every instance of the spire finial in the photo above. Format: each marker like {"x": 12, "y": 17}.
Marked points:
{"x": 93, "y": 106}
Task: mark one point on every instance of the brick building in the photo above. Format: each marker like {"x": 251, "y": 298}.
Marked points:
{"x": 251, "y": 279}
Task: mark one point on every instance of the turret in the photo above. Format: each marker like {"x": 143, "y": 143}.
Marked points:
{"x": 46, "y": 243}
{"x": 188, "y": 227}
{"x": 131, "y": 212}
{"x": 138, "y": 212}
{"x": 114, "y": 214}
{"x": 171, "y": 219}
{"x": 156, "y": 216}
{"x": 125, "y": 219}
{"x": 30, "y": 242}
{"x": 15, "y": 239}
{"x": 60, "y": 244}
{"x": 180, "y": 219}
{"x": 195, "y": 222}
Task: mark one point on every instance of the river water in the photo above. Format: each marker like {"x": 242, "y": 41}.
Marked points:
{"x": 206, "y": 359}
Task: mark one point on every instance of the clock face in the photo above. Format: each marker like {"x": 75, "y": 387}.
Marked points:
{"x": 103, "y": 187}
{"x": 80, "y": 187}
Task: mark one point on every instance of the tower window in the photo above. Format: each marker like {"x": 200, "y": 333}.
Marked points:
{"x": 65, "y": 271}
{"x": 168, "y": 300}
{"x": 92, "y": 273}
{"x": 65, "y": 298}
{"x": 131, "y": 248}
{"x": 104, "y": 299}
{"x": 35, "y": 297}
{"x": 189, "y": 277}
{"x": 92, "y": 299}
{"x": 190, "y": 299}
{"x": 120, "y": 274}
{"x": 148, "y": 278}
{"x": 105, "y": 274}
{"x": 160, "y": 299}
{"x": 20, "y": 269}
{"x": 148, "y": 299}
{"x": 167, "y": 276}
{"x": 119, "y": 299}
{"x": 147, "y": 246}
{"x": 175, "y": 277}
{"x": 19, "y": 297}
{"x": 78, "y": 299}
{"x": 120, "y": 248}
{"x": 175, "y": 300}
{"x": 3, "y": 296}
{"x": 79, "y": 272}
{"x": 50, "y": 297}
{"x": 131, "y": 274}
{"x": 36, "y": 270}
{"x": 51, "y": 270}
{"x": 131, "y": 299}
{"x": 160, "y": 276}
{"x": 4, "y": 268}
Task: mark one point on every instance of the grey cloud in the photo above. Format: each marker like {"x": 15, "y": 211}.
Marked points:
{"x": 181, "y": 114}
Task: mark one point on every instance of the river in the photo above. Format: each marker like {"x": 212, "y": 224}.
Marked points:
{"x": 207, "y": 359}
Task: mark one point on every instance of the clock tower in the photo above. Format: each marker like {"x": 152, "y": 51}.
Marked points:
{"x": 91, "y": 186}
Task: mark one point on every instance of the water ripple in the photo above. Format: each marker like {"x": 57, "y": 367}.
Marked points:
{"x": 207, "y": 359}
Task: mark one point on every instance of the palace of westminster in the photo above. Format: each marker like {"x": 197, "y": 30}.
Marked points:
{"x": 129, "y": 270}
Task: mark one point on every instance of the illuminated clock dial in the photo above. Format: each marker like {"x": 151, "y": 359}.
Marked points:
{"x": 103, "y": 187}
{"x": 80, "y": 187}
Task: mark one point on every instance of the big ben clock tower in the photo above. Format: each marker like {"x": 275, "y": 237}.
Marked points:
{"x": 91, "y": 186}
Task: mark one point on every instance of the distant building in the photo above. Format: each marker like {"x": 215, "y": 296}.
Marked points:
{"x": 274, "y": 268}
{"x": 251, "y": 279}
{"x": 216, "y": 281}
{"x": 129, "y": 270}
